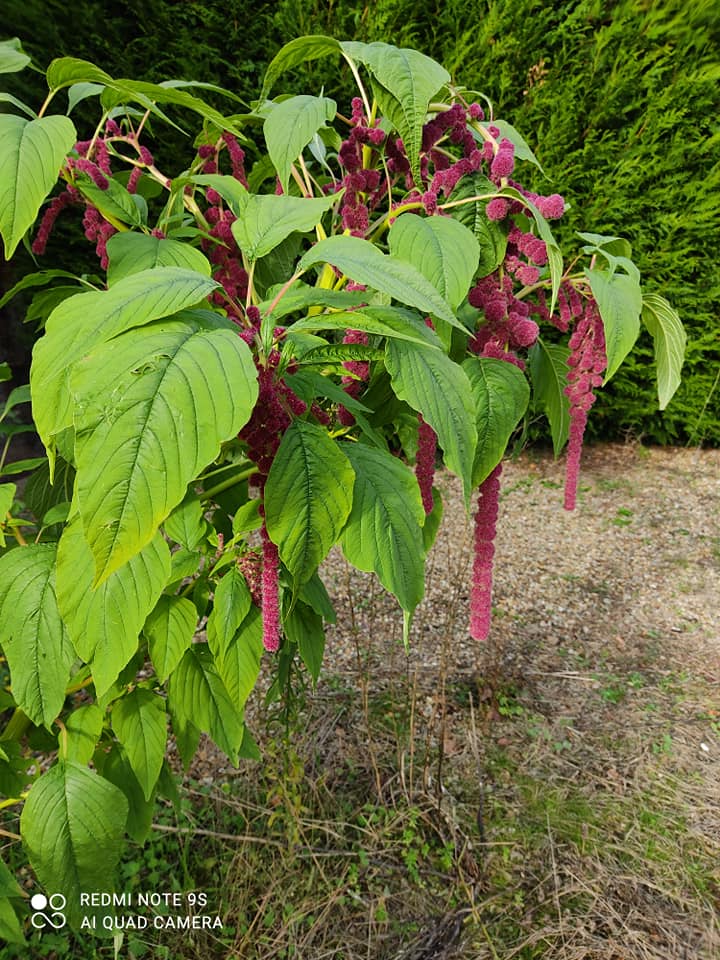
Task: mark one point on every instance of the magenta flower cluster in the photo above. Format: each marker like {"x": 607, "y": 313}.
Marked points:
{"x": 484, "y": 552}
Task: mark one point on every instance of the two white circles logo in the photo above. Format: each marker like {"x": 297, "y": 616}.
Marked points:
{"x": 48, "y": 911}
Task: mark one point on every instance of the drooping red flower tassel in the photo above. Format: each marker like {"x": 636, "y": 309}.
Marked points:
{"x": 425, "y": 462}
{"x": 485, "y": 523}
{"x": 270, "y": 605}
{"x": 587, "y": 360}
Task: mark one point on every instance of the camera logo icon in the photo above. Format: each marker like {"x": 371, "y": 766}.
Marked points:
{"x": 48, "y": 911}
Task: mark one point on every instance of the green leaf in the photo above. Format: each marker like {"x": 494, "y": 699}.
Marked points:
{"x": 439, "y": 389}
{"x": 619, "y": 300}
{"x": 8, "y": 884}
{"x": 81, "y": 91}
{"x": 366, "y": 320}
{"x": 168, "y": 421}
{"x": 146, "y": 93}
{"x": 442, "y": 249}
{"x": 31, "y": 154}
{"x": 35, "y": 641}
{"x": 114, "y": 203}
{"x": 7, "y": 495}
{"x": 362, "y": 262}
{"x": 266, "y": 220}
{"x": 39, "y": 279}
{"x": 491, "y": 236}
{"x": 411, "y": 79}
{"x": 82, "y": 730}
{"x": 230, "y": 607}
{"x": 501, "y": 395}
{"x": 12, "y": 56}
{"x": 669, "y": 339}
{"x": 290, "y": 127}
{"x": 308, "y": 496}
{"x": 115, "y": 767}
{"x": 72, "y": 826}
{"x": 65, "y": 71}
{"x": 300, "y": 296}
{"x": 304, "y": 627}
{"x": 104, "y": 623}
{"x": 130, "y": 253}
{"x": 21, "y": 466}
{"x": 340, "y": 352}
{"x": 548, "y": 372}
{"x": 92, "y": 318}
{"x": 10, "y": 929}
{"x": 186, "y": 524}
{"x": 298, "y": 51}
{"x": 199, "y": 698}
{"x": 169, "y": 629}
{"x": 384, "y": 530}
{"x": 139, "y": 722}
{"x": 247, "y": 517}
{"x": 9, "y": 98}
{"x": 184, "y": 563}
{"x": 234, "y": 633}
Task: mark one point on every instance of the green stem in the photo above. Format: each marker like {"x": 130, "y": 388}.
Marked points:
{"x": 231, "y": 482}
{"x": 16, "y": 725}
{"x": 46, "y": 103}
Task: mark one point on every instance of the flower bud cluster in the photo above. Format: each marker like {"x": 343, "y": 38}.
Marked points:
{"x": 586, "y": 363}
{"x": 507, "y": 326}
{"x": 364, "y": 188}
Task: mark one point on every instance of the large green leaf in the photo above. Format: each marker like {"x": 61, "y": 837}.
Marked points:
{"x": 289, "y": 128}
{"x": 501, "y": 395}
{"x": 384, "y": 530}
{"x": 308, "y": 496}
{"x": 83, "y": 321}
{"x": 362, "y": 262}
{"x": 169, "y": 629}
{"x": 12, "y": 56}
{"x": 234, "y": 632}
{"x": 31, "y": 154}
{"x": 442, "y": 249}
{"x": 104, "y": 623}
{"x": 36, "y": 644}
{"x": 199, "y": 699}
{"x": 179, "y": 389}
{"x": 294, "y": 53}
{"x": 139, "y": 722}
{"x": 439, "y": 389}
{"x": 130, "y": 252}
{"x": 72, "y": 826}
{"x": 669, "y": 338}
{"x": 548, "y": 372}
{"x": 266, "y": 220}
{"x": 491, "y": 236}
{"x": 411, "y": 80}
{"x": 619, "y": 299}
